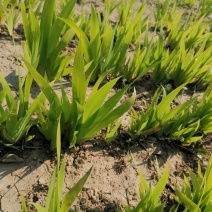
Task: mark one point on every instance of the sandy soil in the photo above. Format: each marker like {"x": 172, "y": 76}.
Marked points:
{"x": 114, "y": 181}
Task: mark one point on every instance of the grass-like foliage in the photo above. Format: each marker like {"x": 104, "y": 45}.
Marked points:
{"x": 196, "y": 193}
{"x": 150, "y": 198}
{"x": 190, "y": 125}
{"x": 107, "y": 46}
{"x": 187, "y": 122}
{"x": 161, "y": 13}
{"x": 132, "y": 19}
{"x": 188, "y": 65}
{"x": 43, "y": 45}
{"x": 101, "y": 50}
{"x": 16, "y": 117}
{"x": 205, "y": 7}
{"x": 182, "y": 64}
{"x": 83, "y": 117}
{"x": 177, "y": 49}
{"x": 157, "y": 114}
{"x": 3, "y": 9}
{"x": 184, "y": 50}
{"x": 11, "y": 17}
{"x": 192, "y": 32}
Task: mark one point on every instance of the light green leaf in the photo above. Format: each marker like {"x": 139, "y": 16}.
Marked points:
{"x": 58, "y": 26}
{"x": 164, "y": 107}
{"x": 95, "y": 101}
{"x": 23, "y": 203}
{"x": 81, "y": 35}
{"x": 189, "y": 204}
{"x": 160, "y": 185}
{"x": 72, "y": 194}
{"x": 39, "y": 207}
{"x": 78, "y": 77}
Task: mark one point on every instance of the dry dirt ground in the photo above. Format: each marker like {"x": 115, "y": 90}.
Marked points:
{"x": 114, "y": 181}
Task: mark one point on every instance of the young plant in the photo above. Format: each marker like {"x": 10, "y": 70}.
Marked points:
{"x": 175, "y": 27}
{"x": 16, "y": 118}
{"x": 101, "y": 49}
{"x": 196, "y": 193}
{"x": 192, "y": 32}
{"x": 165, "y": 56}
{"x": 157, "y": 115}
{"x": 203, "y": 111}
{"x": 125, "y": 11}
{"x": 81, "y": 118}
{"x": 54, "y": 200}
{"x": 111, "y": 132}
{"x": 183, "y": 127}
{"x": 190, "y": 125}
{"x": 44, "y": 45}
{"x": 107, "y": 46}
{"x": 3, "y": 9}
{"x": 181, "y": 65}
{"x": 140, "y": 63}
{"x": 161, "y": 13}
{"x": 131, "y": 19}
{"x": 189, "y": 65}
{"x": 11, "y": 18}
{"x": 150, "y": 198}
{"x": 205, "y": 8}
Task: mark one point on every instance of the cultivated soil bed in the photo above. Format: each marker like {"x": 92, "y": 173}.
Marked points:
{"x": 114, "y": 180}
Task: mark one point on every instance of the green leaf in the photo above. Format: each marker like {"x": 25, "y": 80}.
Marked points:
{"x": 177, "y": 110}
{"x": 58, "y": 140}
{"x": 9, "y": 96}
{"x": 94, "y": 25}
{"x": 81, "y": 35}
{"x": 23, "y": 203}
{"x": 67, "y": 37}
{"x": 25, "y": 21}
{"x": 39, "y": 207}
{"x": 189, "y": 204}
{"x": 112, "y": 132}
{"x": 43, "y": 84}
{"x": 103, "y": 118}
{"x": 164, "y": 107}
{"x": 58, "y": 26}
{"x": 208, "y": 208}
{"x": 72, "y": 194}
{"x": 51, "y": 190}
{"x": 160, "y": 185}
{"x": 94, "y": 102}
{"x": 78, "y": 77}
{"x": 143, "y": 188}
{"x": 45, "y": 26}
{"x": 141, "y": 205}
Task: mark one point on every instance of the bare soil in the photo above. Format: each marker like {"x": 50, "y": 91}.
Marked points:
{"x": 114, "y": 181}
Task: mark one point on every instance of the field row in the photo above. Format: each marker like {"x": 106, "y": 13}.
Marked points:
{"x": 172, "y": 44}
